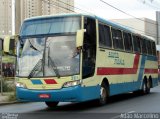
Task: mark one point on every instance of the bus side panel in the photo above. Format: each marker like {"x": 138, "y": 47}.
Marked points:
{"x": 124, "y": 88}
{"x": 147, "y": 67}
{"x": 125, "y": 71}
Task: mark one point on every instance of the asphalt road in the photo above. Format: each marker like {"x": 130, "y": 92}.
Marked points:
{"x": 127, "y": 104}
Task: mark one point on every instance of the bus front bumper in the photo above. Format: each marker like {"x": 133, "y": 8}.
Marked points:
{"x": 71, "y": 94}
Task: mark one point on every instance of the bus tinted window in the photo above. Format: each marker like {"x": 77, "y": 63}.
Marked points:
{"x": 149, "y": 47}
{"x": 127, "y": 41}
{"x": 144, "y": 48}
{"x": 117, "y": 39}
{"x": 56, "y": 25}
{"x": 104, "y": 36}
{"x": 153, "y": 48}
{"x": 136, "y": 43}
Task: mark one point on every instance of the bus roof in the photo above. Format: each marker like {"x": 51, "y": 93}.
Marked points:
{"x": 108, "y": 22}
{"x": 79, "y": 14}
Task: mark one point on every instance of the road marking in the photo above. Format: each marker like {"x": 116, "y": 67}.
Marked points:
{"x": 131, "y": 112}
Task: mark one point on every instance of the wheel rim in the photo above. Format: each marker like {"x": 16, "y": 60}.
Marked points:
{"x": 144, "y": 87}
{"x": 103, "y": 94}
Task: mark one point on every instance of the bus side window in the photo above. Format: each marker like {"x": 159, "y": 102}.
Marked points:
{"x": 154, "y": 48}
{"x": 144, "y": 48}
{"x": 149, "y": 47}
{"x": 137, "y": 44}
{"x": 104, "y": 36}
{"x": 117, "y": 39}
{"x": 127, "y": 41}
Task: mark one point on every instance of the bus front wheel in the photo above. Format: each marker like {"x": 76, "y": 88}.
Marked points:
{"x": 51, "y": 104}
{"x": 104, "y": 94}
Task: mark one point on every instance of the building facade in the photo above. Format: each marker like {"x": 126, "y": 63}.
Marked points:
{"x": 29, "y": 8}
{"x": 57, "y": 6}
{"x": 158, "y": 26}
{"x": 5, "y": 17}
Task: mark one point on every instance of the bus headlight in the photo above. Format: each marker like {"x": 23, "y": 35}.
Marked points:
{"x": 72, "y": 83}
{"x": 20, "y": 85}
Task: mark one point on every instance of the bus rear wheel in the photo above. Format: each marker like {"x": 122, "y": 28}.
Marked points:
{"x": 51, "y": 104}
{"x": 146, "y": 87}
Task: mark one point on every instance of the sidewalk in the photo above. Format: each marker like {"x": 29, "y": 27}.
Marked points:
{"x": 3, "y": 98}
{"x": 6, "y": 98}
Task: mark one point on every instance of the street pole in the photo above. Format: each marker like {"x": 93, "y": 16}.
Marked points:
{"x": 1, "y": 76}
{"x": 13, "y": 16}
{"x": 1, "y": 67}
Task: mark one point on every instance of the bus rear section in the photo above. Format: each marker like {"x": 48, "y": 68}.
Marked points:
{"x": 126, "y": 61}
{"x": 128, "y": 73}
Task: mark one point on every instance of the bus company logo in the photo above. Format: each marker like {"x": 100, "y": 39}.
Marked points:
{"x": 115, "y": 56}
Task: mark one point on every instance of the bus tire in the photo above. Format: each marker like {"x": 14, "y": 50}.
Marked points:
{"x": 145, "y": 87}
{"x": 51, "y": 104}
{"x": 148, "y": 86}
{"x": 104, "y": 94}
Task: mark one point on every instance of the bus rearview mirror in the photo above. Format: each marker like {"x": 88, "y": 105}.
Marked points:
{"x": 9, "y": 43}
{"x": 6, "y": 44}
{"x": 80, "y": 37}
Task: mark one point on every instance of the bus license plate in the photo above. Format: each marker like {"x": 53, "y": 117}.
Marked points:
{"x": 44, "y": 96}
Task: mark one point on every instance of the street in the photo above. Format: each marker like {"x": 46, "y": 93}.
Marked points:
{"x": 126, "y": 103}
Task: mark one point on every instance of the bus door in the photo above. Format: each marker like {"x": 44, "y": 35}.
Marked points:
{"x": 89, "y": 48}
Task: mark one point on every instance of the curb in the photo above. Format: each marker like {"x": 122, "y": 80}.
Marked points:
{"x": 10, "y": 103}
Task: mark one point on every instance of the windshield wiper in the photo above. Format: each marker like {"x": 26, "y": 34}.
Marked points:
{"x": 34, "y": 69}
{"x": 54, "y": 67}
{"x": 33, "y": 47}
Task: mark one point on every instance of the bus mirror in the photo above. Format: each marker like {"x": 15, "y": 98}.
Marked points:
{"x": 6, "y": 44}
{"x": 9, "y": 43}
{"x": 79, "y": 37}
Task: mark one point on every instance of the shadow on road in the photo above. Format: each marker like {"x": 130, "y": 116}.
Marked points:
{"x": 76, "y": 107}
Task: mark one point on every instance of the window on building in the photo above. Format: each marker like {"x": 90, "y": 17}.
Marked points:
{"x": 127, "y": 41}
{"x": 117, "y": 39}
{"x": 104, "y": 36}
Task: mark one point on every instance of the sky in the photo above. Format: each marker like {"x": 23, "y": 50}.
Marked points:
{"x": 136, "y": 8}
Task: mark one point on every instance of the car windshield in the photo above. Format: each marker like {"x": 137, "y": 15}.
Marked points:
{"x": 49, "y": 56}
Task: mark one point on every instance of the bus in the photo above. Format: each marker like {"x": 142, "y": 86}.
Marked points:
{"x": 81, "y": 57}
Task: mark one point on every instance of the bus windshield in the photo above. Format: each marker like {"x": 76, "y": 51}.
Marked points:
{"x": 51, "y": 56}
{"x": 48, "y": 48}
